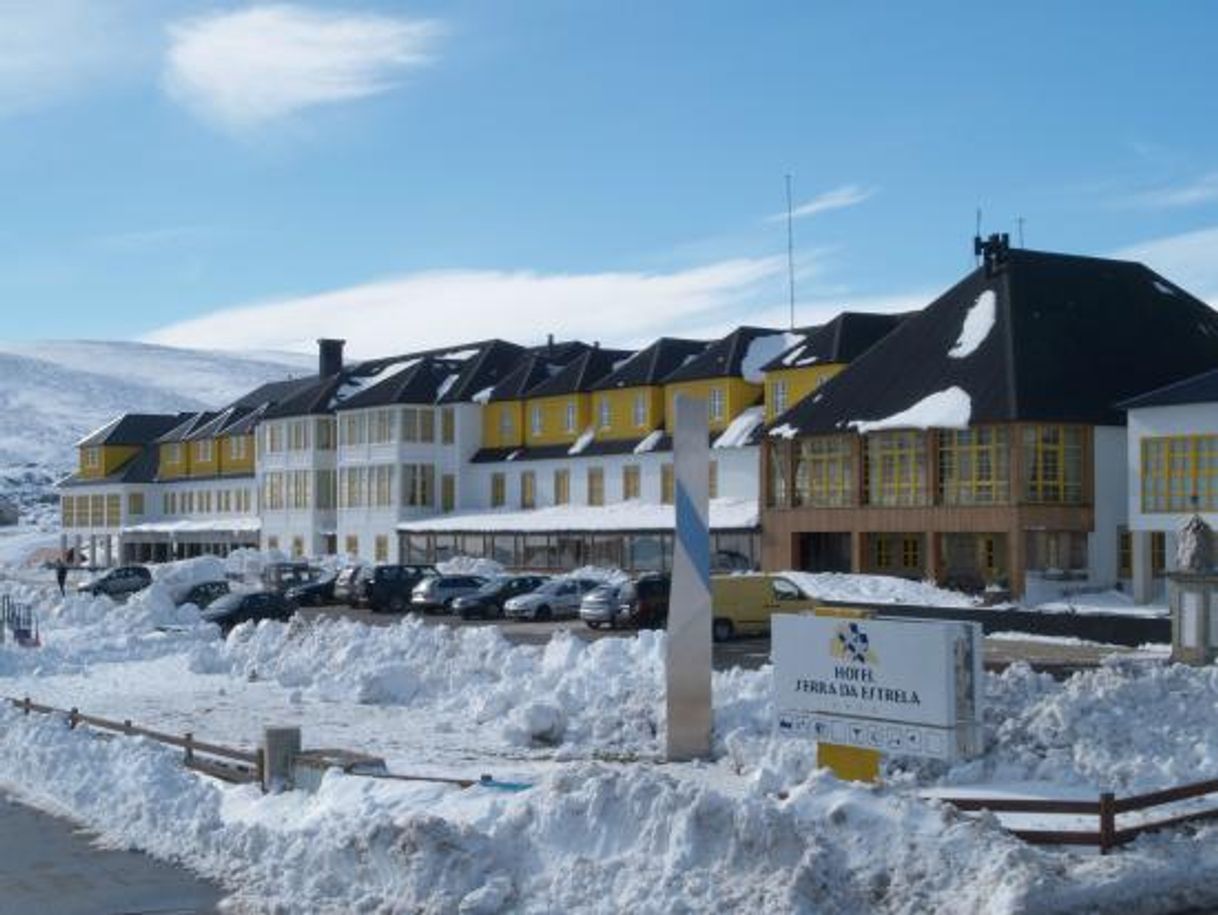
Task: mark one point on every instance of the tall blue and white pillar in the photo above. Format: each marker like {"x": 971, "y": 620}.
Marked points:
{"x": 689, "y": 608}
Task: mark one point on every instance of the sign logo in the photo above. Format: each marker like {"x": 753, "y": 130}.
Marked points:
{"x": 850, "y": 643}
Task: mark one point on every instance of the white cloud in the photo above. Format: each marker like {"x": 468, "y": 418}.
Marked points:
{"x": 244, "y": 69}
{"x": 1201, "y": 190}
{"x": 50, "y": 49}
{"x": 839, "y": 198}
{"x": 444, "y": 307}
{"x": 1190, "y": 260}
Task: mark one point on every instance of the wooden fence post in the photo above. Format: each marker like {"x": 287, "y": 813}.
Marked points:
{"x": 260, "y": 766}
{"x": 190, "y": 750}
{"x": 26, "y": 704}
{"x": 73, "y": 718}
{"x": 1107, "y": 822}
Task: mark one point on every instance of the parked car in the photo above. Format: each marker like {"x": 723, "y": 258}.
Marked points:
{"x": 644, "y": 603}
{"x": 232, "y": 609}
{"x": 441, "y": 590}
{"x": 280, "y": 576}
{"x": 118, "y": 583}
{"x": 389, "y": 586}
{"x": 203, "y": 594}
{"x": 488, "y": 600}
{"x": 557, "y": 597}
{"x": 742, "y": 604}
{"x": 313, "y": 593}
{"x": 345, "y": 584}
{"x": 601, "y": 606}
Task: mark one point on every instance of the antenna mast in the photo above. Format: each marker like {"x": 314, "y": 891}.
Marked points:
{"x": 1020, "y": 222}
{"x": 790, "y": 252}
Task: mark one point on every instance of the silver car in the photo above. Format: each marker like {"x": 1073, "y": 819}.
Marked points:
{"x": 441, "y": 590}
{"x": 601, "y": 606}
{"x": 556, "y": 598}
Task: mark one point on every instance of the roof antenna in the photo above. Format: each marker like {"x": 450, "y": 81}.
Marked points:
{"x": 977, "y": 241}
{"x": 1019, "y": 223}
{"x": 790, "y": 251}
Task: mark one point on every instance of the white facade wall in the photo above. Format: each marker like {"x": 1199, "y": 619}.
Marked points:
{"x": 1111, "y": 503}
{"x": 313, "y": 527}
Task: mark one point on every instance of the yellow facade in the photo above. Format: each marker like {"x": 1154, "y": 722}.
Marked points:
{"x": 624, "y": 415}
{"x": 173, "y": 460}
{"x": 799, "y": 382}
{"x": 236, "y": 453}
{"x": 503, "y": 424}
{"x": 98, "y": 461}
{"x": 204, "y": 461}
{"x": 563, "y": 418}
{"x": 735, "y": 394}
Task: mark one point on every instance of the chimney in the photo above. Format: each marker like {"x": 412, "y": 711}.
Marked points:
{"x": 329, "y": 357}
{"x": 550, "y": 344}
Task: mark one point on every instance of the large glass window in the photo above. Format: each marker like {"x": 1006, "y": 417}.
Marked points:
{"x": 974, "y": 466}
{"x": 896, "y": 467}
{"x": 639, "y": 413}
{"x": 562, "y": 487}
{"x": 1053, "y": 464}
{"x": 528, "y": 489}
{"x": 596, "y": 486}
{"x": 498, "y": 490}
{"x": 631, "y": 482}
{"x": 824, "y": 472}
{"x": 1180, "y": 473}
{"x": 667, "y": 485}
{"x": 776, "y": 479}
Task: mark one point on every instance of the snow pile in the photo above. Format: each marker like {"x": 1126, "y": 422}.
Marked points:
{"x": 786, "y": 430}
{"x": 947, "y": 409}
{"x": 471, "y": 565}
{"x": 765, "y": 349}
{"x": 977, "y": 325}
{"x": 649, "y": 442}
{"x": 584, "y": 440}
{"x": 877, "y": 589}
{"x": 632, "y": 515}
{"x": 738, "y": 431}
{"x": 179, "y": 577}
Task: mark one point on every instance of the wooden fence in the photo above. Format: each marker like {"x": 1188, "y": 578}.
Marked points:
{"x": 231, "y": 765}
{"x": 1108, "y": 835}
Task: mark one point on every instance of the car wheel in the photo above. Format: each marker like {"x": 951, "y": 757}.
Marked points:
{"x": 591, "y": 625}
{"x": 722, "y": 630}
{"x": 543, "y": 613}
{"x": 397, "y": 605}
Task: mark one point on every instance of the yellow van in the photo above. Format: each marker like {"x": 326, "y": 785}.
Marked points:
{"x": 742, "y": 604}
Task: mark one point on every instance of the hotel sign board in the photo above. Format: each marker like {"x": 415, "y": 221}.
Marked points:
{"x": 901, "y": 687}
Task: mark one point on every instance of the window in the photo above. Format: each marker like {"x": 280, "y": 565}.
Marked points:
{"x": 910, "y": 552}
{"x": 505, "y": 422}
{"x": 1056, "y": 551}
{"x": 667, "y": 484}
{"x": 570, "y": 417}
{"x": 1180, "y": 473}
{"x": 274, "y": 438}
{"x": 785, "y": 590}
{"x": 639, "y": 411}
{"x": 1124, "y": 553}
{"x": 272, "y": 491}
{"x": 632, "y": 487}
{"x": 427, "y": 426}
{"x": 778, "y": 397}
{"x": 1158, "y": 553}
{"x": 410, "y": 425}
{"x": 135, "y": 503}
{"x": 353, "y": 430}
{"x": 325, "y": 483}
{"x": 380, "y": 427}
{"x": 535, "y": 420}
{"x": 974, "y": 466}
{"x": 381, "y": 549}
{"x": 203, "y": 451}
{"x": 498, "y": 490}
{"x": 67, "y": 511}
{"x": 297, "y": 547}
{"x": 824, "y": 472}
{"x": 776, "y": 478}
{"x": 418, "y": 485}
{"x": 298, "y": 435}
{"x": 324, "y": 431}
{"x": 175, "y": 453}
{"x": 448, "y": 426}
{"x": 528, "y": 489}
{"x": 562, "y": 487}
{"x": 382, "y": 486}
{"x": 1053, "y": 464}
{"x": 351, "y": 545}
{"x": 92, "y": 458}
{"x": 604, "y": 412}
{"x": 236, "y": 447}
{"x": 113, "y": 506}
{"x": 896, "y": 468}
{"x": 714, "y": 405}
{"x": 712, "y": 480}
{"x": 448, "y": 492}
{"x": 881, "y": 554}
{"x": 596, "y": 486}
{"x": 272, "y": 543}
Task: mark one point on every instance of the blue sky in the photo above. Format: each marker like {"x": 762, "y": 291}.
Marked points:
{"x": 236, "y": 174}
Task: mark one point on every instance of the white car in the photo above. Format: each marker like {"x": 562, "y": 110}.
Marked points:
{"x": 558, "y": 597}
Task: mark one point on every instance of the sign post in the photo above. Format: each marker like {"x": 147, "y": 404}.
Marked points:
{"x": 901, "y": 687}
{"x": 689, "y": 613}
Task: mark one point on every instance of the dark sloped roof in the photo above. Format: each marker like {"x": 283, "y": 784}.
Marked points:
{"x": 222, "y": 424}
{"x": 494, "y": 360}
{"x": 581, "y": 373}
{"x": 652, "y": 365}
{"x": 132, "y": 429}
{"x": 721, "y": 359}
{"x": 843, "y": 339}
{"x": 1071, "y": 337}
{"x": 140, "y": 469}
{"x": 1201, "y": 388}
{"x": 274, "y": 391}
{"x": 536, "y": 367}
{"x": 190, "y": 423}
{"x": 419, "y": 383}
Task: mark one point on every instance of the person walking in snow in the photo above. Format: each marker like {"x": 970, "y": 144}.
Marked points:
{"x": 61, "y": 576}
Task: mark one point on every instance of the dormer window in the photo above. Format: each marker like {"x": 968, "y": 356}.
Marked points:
{"x": 640, "y": 411}
{"x": 569, "y": 420}
{"x": 535, "y": 420}
{"x": 92, "y": 458}
{"x": 604, "y": 413}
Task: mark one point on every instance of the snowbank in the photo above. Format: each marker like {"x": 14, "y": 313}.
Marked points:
{"x": 878, "y": 589}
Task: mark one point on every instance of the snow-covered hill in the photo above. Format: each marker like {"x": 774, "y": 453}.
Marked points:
{"x": 53, "y": 393}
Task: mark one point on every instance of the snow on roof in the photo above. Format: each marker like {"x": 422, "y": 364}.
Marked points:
{"x": 100, "y": 430}
{"x": 795, "y": 358}
{"x": 448, "y": 382}
{"x": 459, "y": 355}
{"x": 631, "y": 515}
{"x": 584, "y": 440}
{"x": 978, "y": 322}
{"x": 762, "y": 350}
{"x": 949, "y": 409}
{"x": 354, "y": 384}
{"x": 738, "y": 431}
{"x": 650, "y": 442}
{"x": 786, "y": 430}
{"x": 483, "y": 396}
{"x": 1163, "y": 287}
{"x": 208, "y": 525}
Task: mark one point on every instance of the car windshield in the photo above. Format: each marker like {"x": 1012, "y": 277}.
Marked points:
{"x": 225, "y": 602}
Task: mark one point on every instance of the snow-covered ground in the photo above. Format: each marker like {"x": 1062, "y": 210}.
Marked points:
{"x": 605, "y": 826}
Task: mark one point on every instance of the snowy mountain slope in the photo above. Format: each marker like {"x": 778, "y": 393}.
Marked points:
{"x": 52, "y": 394}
